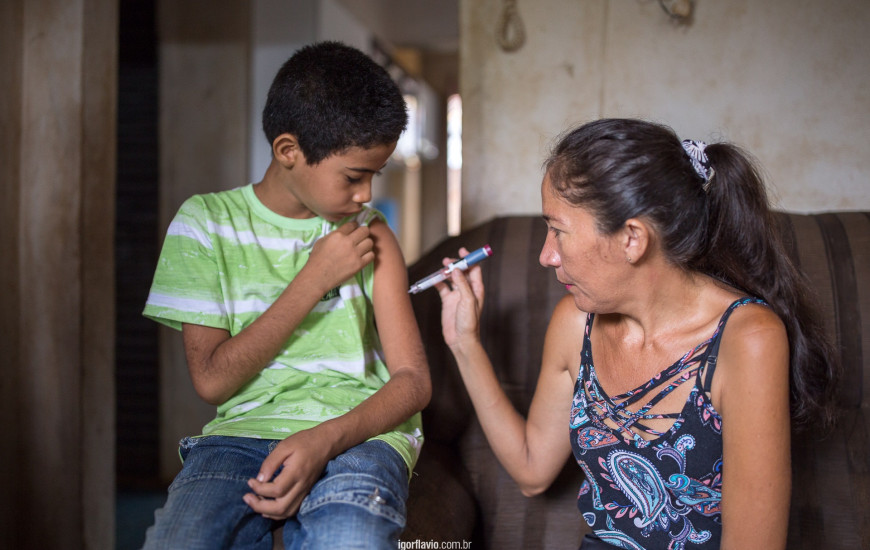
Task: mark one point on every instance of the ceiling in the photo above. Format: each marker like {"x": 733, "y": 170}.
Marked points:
{"x": 430, "y": 25}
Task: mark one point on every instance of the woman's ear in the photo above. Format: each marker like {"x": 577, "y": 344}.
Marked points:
{"x": 636, "y": 239}
{"x": 286, "y": 150}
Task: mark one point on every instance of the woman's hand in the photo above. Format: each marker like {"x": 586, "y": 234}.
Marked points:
{"x": 461, "y": 304}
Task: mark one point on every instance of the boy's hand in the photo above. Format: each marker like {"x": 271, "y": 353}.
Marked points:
{"x": 302, "y": 459}
{"x": 339, "y": 255}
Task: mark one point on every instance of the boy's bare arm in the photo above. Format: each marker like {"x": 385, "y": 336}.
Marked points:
{"x": 219, "y": 364}
{"x": 409, "y": 387}
{"x": 305, "y": 454}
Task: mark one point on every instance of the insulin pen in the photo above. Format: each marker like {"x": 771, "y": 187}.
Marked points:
{"x": 442, "y": 274}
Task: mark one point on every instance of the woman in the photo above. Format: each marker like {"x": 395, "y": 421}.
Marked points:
{"x": 682, "y": 353}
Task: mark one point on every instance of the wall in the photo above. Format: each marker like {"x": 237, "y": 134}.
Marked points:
{"x": 786, "y": 79}
{"x": 203, "y": 132}
{"x": 57, "y": 160}
{"x": 277, "y": 29}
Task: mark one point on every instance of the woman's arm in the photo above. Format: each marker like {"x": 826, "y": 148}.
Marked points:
{"x": 751, "y": 392}
{"x": 533, "y": 450}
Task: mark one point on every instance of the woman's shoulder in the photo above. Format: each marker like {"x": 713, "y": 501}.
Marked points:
{"x": 567, "y": 313}
{"x": 564, "y": 338}
{"x": 752, "y": 318}
{"x": 753, "y": 335}
{"x": 743, "y": 315}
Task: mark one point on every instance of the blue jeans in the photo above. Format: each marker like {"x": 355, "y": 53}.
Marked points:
{"x": 359, "y": 502}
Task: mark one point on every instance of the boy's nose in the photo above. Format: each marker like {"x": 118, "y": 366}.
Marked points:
{"x": 363, "y": 194}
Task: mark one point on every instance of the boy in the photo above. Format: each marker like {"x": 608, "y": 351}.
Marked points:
{"x": 276, "y": 287}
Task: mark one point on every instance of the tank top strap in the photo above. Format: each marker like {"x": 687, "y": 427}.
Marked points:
{"x": 708, "y": 365}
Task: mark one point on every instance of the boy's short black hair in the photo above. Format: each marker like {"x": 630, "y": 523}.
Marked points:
{"x": 331, "y": 97}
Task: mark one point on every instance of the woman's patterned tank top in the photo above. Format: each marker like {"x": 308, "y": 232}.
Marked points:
{"x": 662, "y": 490}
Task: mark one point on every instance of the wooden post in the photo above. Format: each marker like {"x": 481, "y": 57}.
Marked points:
{"x": 58, "y": 60}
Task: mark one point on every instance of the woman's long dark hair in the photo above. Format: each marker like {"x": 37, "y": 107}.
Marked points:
{"x": 623, "y": 168}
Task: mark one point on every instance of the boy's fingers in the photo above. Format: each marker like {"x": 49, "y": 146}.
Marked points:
{"x": 263, "y": 489}
{"x": 361, "y": 237}
{"x": 365, "y": 241}
{"x": 269, "y": 466}
{"x": 271, "y": 508}
{"x": 277, "y": 499}
{"x": 268, "y": 490}
{"x": 348, "y": 228}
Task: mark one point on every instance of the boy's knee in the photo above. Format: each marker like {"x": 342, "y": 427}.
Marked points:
{"x": 361, "y": 492}
{"x": 340, "y": 524}
{"x": 352, "y": 511}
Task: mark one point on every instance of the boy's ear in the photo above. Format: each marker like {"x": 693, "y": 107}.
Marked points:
{"x": 286, "y": 150}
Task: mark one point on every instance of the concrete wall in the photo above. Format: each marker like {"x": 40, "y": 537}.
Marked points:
{"x": 787, "y": 79}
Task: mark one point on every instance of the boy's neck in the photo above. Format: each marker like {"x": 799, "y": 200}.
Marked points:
{"x": 277, "y": 195}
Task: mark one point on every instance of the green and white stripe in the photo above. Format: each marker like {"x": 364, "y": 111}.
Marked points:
{"x": 225, "y": 260}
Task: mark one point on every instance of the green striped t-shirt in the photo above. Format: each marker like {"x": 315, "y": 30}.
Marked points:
{"x": 225, "y": 260}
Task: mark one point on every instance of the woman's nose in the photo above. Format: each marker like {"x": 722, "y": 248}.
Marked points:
{"x": 548, "y": 256}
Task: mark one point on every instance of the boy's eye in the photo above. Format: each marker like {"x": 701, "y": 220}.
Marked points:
{"x": 351, "y": 179}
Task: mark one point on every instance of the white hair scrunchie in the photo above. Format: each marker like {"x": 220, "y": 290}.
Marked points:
{"x": 700, "y": 162}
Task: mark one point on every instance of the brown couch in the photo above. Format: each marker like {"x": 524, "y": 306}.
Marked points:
{"x": 459, "y": 492}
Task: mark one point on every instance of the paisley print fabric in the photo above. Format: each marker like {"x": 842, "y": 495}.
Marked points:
{"x": 659, "y": 491}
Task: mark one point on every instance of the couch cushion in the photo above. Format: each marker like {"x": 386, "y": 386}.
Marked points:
{"x": 833, "y": 250}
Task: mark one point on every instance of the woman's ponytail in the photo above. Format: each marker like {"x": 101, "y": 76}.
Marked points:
{"x": 746, "y": 250}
